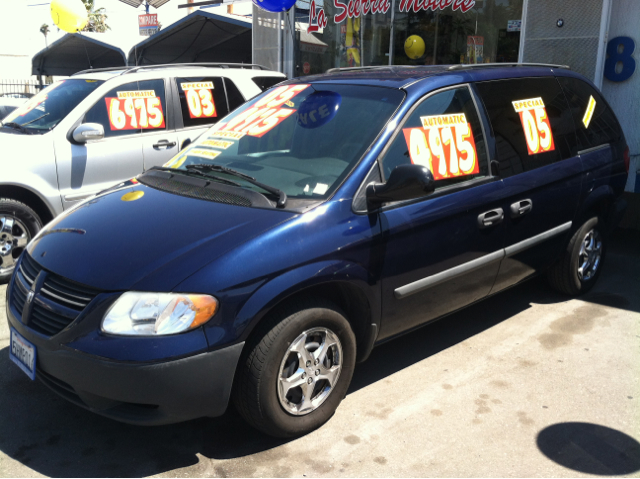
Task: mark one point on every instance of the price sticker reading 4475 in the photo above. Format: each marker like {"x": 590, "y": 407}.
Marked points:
{"x": 445, "y": 145}
{"x": 134, "y": 110}
{"x": 535, "y": 123}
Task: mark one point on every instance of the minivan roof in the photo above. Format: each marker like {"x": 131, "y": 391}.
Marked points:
{"x": 399, "y": 76}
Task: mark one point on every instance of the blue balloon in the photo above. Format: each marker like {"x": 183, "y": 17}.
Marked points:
{"x": 274, "y": 5}
{"x": 318, "y": 109}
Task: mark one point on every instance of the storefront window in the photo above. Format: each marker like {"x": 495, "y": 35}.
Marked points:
{"x": 355, "y": 33}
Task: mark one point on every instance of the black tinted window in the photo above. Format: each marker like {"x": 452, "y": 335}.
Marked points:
{"x": 444, "y": 134}
{"x": 233, "y": 94}
{"x": 264, "y": 83}
{"x": 595, "y": 122}
{"x": 202, "y": 100}
{"x": 131, "y": 108}
{"x": 531, "y": 122}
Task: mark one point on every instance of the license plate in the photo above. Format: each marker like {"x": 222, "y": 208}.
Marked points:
{"x": 23, "y": 353}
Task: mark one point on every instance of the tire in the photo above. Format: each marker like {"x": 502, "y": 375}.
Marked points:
{"x": 258, "y": 395}
{"x": 566, "y": 275}
{"x": 18, "y": 224}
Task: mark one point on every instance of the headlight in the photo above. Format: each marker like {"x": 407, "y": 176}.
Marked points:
{"x": 153, "y": 314}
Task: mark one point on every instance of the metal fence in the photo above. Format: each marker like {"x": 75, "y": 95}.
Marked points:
{"x": 30, "y": 87}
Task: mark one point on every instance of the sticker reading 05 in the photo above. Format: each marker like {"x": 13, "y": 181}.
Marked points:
{"x": 133, "y": 110}
{"x": 445, "y": 145}
{"x": 535, "y": 123}
{"x": 200, "y": 99}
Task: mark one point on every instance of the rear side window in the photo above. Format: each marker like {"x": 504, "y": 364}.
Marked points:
{"x": 444, "y": 134}
{"x": 531, "y": 121}
{"x": 233, "y": 94}
{"x": 135, "y": 107}
{"x": 264, "y": 83}
{"x": 596, "y": 124}
{"x": 202, "y": 100}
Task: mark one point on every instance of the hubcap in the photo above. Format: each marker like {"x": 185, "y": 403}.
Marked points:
{"x": 309, "y": 371}
{"x": 14, "y": 236}
{"x": 590, "y": 254}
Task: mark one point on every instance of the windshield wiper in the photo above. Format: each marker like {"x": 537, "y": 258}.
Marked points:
{"x": 187, "y": 173}
{"x": 282, "y": 196}
{"x": 31, "y": 121}
{"x": 16, "y": 126}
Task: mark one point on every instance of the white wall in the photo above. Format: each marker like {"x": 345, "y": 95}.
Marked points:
{"x": 624, "y": 97}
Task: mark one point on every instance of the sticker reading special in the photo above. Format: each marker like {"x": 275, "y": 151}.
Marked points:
{"x": 445, "y": 145}
{"x": 133, "y": 110}
{"x": 227, "y": 134}
{"x": 200, "y": 99}
{"x": 586, "y": 119}
{"x": 535, "y": 123}
{"x": 223, "y": 145}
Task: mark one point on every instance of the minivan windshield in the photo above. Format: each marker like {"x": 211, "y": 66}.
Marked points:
{"x": 44, "y": 111}
{"x": 302, "y": 139}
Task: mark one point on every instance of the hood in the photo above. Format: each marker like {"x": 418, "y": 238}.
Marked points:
{"x": 149, "y": 240}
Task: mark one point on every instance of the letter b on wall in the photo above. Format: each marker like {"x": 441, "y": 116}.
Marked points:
{"x": 619, "y": 51}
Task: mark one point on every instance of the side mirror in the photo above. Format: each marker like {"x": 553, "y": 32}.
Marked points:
{"x": 406, "y": 182}
{"x": 88, "y": 131}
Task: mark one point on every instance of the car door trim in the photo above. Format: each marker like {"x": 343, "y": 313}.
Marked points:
{"x": 594, "y": 148}
{"x": 534, "y": 240}
{"x": 464, "y": 268}
{"x": 425, "y": 283}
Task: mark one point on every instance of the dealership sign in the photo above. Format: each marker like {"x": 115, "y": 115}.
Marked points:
{"x": 356, "y": 8}
{"x": 148, "y": 24}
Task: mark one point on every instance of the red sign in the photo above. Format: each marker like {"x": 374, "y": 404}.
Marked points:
{"x": 316, "y": 23}
{"x": 306, "y": 68}
{"x": 134, "y": 110}
{"x": 535, "y": 123}
{"x": 148, "y": 20}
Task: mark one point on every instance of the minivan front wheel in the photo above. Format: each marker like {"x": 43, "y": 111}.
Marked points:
{"x": 578, "y": 269}
{"x": 18, "y": 224}
{"x": 297, "y": 370}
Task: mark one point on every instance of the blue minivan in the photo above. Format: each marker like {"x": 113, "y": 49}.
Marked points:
{"x": 323, "y": 217}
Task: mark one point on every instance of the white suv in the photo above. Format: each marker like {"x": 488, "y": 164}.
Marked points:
{"x": 99, "y": 127}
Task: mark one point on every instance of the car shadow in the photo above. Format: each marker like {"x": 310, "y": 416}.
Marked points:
{"x": 590, "y": 448}
{"x": 56, "y": 438}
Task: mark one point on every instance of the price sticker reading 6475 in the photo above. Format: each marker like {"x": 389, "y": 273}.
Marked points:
{"x": 134, "y": 110}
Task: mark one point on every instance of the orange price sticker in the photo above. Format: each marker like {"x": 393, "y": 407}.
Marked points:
{"x": 535, "y": 123}
{"x": 133, "y": 112}
{"x": 200, "y": 99}
{"x": 445, "y": 145}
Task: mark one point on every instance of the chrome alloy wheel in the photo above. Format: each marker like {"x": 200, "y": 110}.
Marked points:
{"x": 14, "y": 237}
{"x": 590, "y": 255}
{"x": 309, "y": 371}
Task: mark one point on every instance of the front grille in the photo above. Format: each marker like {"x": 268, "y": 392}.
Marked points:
{"x": 58, "y": 303}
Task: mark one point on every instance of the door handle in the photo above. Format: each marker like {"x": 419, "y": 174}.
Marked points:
{"x": 490, "y": 218}
{"x": 164, "y": 143}
{"x": 521, "y": 207}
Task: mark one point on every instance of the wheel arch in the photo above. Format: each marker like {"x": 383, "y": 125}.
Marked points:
{"x": 29, "y": 198}
{"x": 599, "y": 203}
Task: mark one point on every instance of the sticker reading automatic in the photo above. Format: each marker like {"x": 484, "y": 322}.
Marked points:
{"x": 586, "y": 119}
{"x": 445, "y": 145}
{"x": 535, "y": 123}
{"x": 223, "y": 145}
{"x": 136, "y": 94}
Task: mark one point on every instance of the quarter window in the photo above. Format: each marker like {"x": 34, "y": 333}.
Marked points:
{"x": 233, "y": 94}
{"x": 135, "y": 107}
{"x": 531, "y": 121}
{"x": 595, "y": 122}
{"x": 444, "y": 134}
{"x": 202, "y": 100}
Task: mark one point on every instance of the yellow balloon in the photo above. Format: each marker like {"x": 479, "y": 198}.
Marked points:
{"x": 414, "y": 47}
{"x": 69, "y": 15}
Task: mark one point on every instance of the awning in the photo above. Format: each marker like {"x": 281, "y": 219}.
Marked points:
{"x": 78, "y": 51}
{"x": 199, "y": 37}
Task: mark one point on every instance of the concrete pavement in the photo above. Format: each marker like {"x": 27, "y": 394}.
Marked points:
{"x": 527, "y": 383}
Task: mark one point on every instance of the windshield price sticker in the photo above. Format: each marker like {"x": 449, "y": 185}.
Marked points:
{"x": 535, "y": 123}
{"x": 265, "y": 114}
{"x": 133, "y": 110}
{"x": 32, "y": 103}
{"x": 200, "y": 99}
{"x": 227, "y": 134}
{"x": 445, "y": 145}
{"x": 586, "y": 119}
{"x": 208, "y": 154}
{"x": 223, "y": 145}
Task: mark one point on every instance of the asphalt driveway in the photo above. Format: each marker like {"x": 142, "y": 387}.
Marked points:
{"x": 527, "y": 383}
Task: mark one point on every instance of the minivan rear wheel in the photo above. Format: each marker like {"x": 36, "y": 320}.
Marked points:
{"x": 296, "y": 371}
{"x": 579, "y": 267}
{"x": 18, "y": 224}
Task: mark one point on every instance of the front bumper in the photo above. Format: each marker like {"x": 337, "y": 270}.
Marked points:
{"x": 161, "y": 392}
